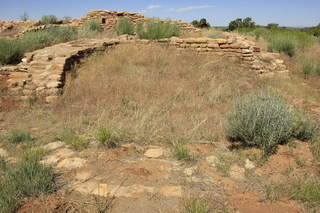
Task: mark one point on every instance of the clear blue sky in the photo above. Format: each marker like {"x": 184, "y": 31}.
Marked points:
{"x": 218, "y": 13}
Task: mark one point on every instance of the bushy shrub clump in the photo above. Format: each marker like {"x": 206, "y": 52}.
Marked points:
{"x": 124, "y": 26}
{"x": 284, "y": 44}
{"x": 156, "y": 29}
{"x": 264, "y": 120}
{"x": 90, "y": 28}
{"x": 48, "y": 19}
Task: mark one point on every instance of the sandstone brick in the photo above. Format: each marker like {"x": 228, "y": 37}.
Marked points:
{"x": 256, "y": 49}
{"x": 52, "y": 91}
{"x": 234, "y": 46}
{"x": 195, "y": 45}
{"x": 201, "y": 49}
{"x": 224, "y": 46}
{"x": 219, "y": 41}
{"x": 188, "y": 41}
{"x": 244, "y": 45}
{"x": 200, "y": 40}
{"x": 20, "y": 75}
{"x": 214, "y": 46}
{"x": 55, "y": 77}
{"x": 53, "y": 84}
{"x": 246, "y": 51}
{"x": 57, "y": 67}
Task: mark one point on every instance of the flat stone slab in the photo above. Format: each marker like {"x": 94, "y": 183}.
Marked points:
{"x": 71, "y": 163}
{"x": 54, "y": 145}
{"x": 153, "y": 153}
{"x": 171, "y": 191}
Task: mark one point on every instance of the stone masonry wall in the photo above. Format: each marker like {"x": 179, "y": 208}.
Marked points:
{"x": 43, "y": 71}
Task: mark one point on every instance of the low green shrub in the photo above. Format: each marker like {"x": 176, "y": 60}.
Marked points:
{"x": 283, "y": 44}
{"x": 265, "y": 120}
{"x": 303, "y": 128}
{"x": 124, "y": 26}
{"x": 48, "y": 19}
{"x": 155, "y": 29}
{"x": 18, "y": 136}
{"x": 28, "y": 179}
{"x": 90, "y": 28}
{"x": 261, "y": 119}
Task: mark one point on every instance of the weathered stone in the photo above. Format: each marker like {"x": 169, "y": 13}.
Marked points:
{"x": 246, "y": 51}
{"x": 256, "y": 49}
{"x": 3, "y": 153}
{"x": 54, "y": 84}
{"x": 72, "y": 163}
{"x": 244, "y": 45}
{"x": 195, "y": 45}
{"x": 200, "y": 40}
{"x": 191, "y": 170}
{"x": 55, "y": 77}
{"x": 20, "y": 75}
{"x": 52, "y": 99}
{"x": 52, "y": 91}
{"x": 153, "y": 153}
{"x": 249, "y": 164}
{"x": 171, "y": 191}
{"x": 224, "y": 46}
{"x": 214, "y": 46}
{"x": 53, "y": 145}
{"x": 219, "y": 41}
{"x": 188, "y": 41}
{"x": 234, "y": 46}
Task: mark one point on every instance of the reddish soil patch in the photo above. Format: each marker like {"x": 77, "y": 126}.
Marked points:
{"x": 146, "y": 170}
{"x": 3, "y": 81}
{"x": 49, "y": 203}
{"x": 201, "y": 149}
{"x": 7, "y": 104}
{"x": 113, "y": 154}
{"x": 250, "y": 202}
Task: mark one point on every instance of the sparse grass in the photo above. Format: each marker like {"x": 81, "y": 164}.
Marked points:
{"x": 181, "y": 152}
{"x": 72, "y": 138}
{"x": 304, "y": 188}
{"x": 223, "y": 163}
{"x": 34, "y": 154}
{"x": 28, "y": 179}
{"x": 196, "y": 206}
{"x": 107, "y": 137}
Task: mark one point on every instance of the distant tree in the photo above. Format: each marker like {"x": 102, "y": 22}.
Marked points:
{"x": 195, "y": 23}
{"x": 315, "y": 30}
{"x": 271, "y": 26}
{"x": 241, "y": 23}
{"x": 24, "y": 16}
{"x": 201, "y": 24}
